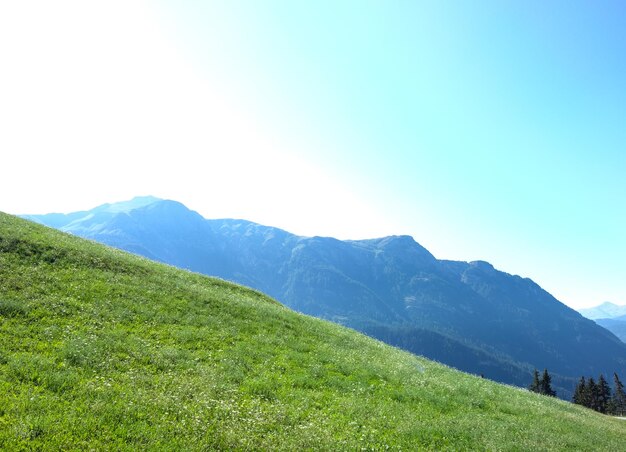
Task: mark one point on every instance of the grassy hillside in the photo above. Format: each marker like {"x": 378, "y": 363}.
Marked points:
{"x": 103, "y": 350}
{"x": 466, "y": 315}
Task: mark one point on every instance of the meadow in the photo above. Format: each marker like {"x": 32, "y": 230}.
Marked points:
{"x": 100, "y": 349}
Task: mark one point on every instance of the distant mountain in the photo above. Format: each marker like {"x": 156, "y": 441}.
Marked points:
{"x": 467, "y": 315}
{"x": 605, "y": 310}
{"x": 610, "y": 316}
{"x": 616, "y": 325}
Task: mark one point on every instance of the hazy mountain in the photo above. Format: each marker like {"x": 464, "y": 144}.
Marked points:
{"x": 605, "y": 310}
{"x": 610, "y": 316}
{"x": 616, "y": 325}
{"x": 468, "y": 315}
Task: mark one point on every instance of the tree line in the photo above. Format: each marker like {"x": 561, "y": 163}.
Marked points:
{"x": 590, "y": 393}
{"x": 599, "y": 396}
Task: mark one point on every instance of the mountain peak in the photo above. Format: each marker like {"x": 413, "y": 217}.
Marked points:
{"x": 606, "y": 310}
{"x": 482, "y": 265}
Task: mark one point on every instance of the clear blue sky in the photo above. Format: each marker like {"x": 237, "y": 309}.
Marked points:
{"x": 487, "y": 130}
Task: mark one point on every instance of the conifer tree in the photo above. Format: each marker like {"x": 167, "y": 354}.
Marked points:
{"x": 603, "y": 395}
{"x": 542, "y": 385}
{"x": 618, "y": 401}
{"x": 592, "y": 394}
{"x": 535, "y": 386}
{"x": 545, "y": 384}
{"x": 580, "y": 392}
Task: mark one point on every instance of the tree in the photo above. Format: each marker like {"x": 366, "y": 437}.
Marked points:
{"x": 592, "y": 394}
{"x": 580, "y": 393}
{"x": 542, "y": 385}
{"x": 603, "y": 394}
{"x": 545, "y": 384}
{"x": 535, "y": 386}
{"x": 618, "y": 401}
{"x": 599, "y": 397}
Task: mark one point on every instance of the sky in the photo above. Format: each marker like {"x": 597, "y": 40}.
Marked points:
{"x": 486, "y": 130}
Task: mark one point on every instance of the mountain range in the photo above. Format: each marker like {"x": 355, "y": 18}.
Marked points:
{"x": 468, "y": 315}
{"x": 105, "y": 350}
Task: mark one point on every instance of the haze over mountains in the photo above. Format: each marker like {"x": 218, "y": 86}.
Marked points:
{"x": 468, "y": 315}
{"x": 610, "y": 316}
{"x": 606, "y": 310}
{"x": 616, "y": 325}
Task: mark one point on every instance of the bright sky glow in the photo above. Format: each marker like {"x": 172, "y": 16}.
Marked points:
{"x": 487, "y": 130}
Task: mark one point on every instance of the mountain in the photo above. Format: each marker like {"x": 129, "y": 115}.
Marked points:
{"x": 616, "y": 325}
{"x": 605, "y": 310}
{"x": 467, "y": 315}
{"x": 105, "y": 350}
{"x": 610, "y": 316}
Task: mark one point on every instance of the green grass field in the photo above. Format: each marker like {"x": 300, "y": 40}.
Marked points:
{"x": 103, "y": 350}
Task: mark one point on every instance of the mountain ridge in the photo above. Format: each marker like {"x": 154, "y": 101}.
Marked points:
{"x": 389, "y": 287}
{"x": 102, "y": 349}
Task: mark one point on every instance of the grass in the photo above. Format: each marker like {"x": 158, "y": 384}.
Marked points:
{"x": 103, "y": 350}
